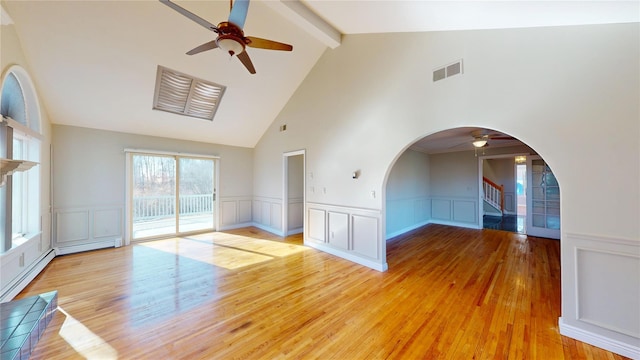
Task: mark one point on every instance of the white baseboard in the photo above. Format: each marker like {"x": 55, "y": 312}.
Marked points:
{"x": 295, "y": 231}
{"x": 347, "y": 256}
{"x": 235, "y": 226}
{"x": 268, "y": 229}
{"x": 71, "y": 249}
{"x": 407, "y": 229}
{"x": 455, "y": 223}
{"x": 31, "y": 274}
{"x": 600, "y": 341}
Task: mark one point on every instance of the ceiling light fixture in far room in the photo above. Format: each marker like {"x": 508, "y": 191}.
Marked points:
{"x": 479, "y": 142}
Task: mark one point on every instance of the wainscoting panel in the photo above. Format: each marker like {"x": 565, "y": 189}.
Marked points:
{"x": 441, "y": 209}
{"x": 599, "y": 305}
{"x": 267, "y": 214}
{"x": 406, "y": 214}
{"x": 257, "y": 212}
{"x": 228, "y": 213}
{"x": 598, "y": 295}
{"x": 295, "y": 218}
{"x": 421, "y": 210}
{"x": 317, "y": 225}
{"x": 366, "y": 235}
{"x": 107, "y": 223}
{"x": 12, "y": 265}
{"x": 45, "y": 221}
{"x": 455, "y": 211}
{"x": 509, "y": 202}
{"x": 72, "y": 226}
{"x": 465, "y": 211}
{"x": 339, "y": 230}
{"x": 276, "y": 216}
{"x": 244, "y": 211}
{"x": 83, "y": 229}
{"x": 354, "y": 234}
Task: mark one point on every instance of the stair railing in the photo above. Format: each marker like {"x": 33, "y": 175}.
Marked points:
{"x": 493, "y": 193}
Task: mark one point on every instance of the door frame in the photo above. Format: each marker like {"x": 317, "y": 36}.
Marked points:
{"x": 285, "y": 189}
{"x": 480, "y": 175}
{"x": 538, "y": 231}
{"x": 128, "y": 218}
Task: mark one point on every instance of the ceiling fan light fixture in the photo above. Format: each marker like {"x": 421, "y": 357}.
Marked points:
{"x": 479, "y": 142}
{"x": 230, "y": 44}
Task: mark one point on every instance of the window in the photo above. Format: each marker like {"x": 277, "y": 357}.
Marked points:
{"x": 20, "y": 127}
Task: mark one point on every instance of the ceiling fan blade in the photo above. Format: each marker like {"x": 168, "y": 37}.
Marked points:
{"x": 502, "y": 138}
{"x": 246, "y": 61}
{"x": 190, "y": 15}
{"x": 239, "y": 13}
{"x": 204, "y": 47}
{"x": 267, "y": 44}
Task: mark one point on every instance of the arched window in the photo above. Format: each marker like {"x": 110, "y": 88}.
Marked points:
{"x": 13, "y": 100}
{"x": 20, "y": 134}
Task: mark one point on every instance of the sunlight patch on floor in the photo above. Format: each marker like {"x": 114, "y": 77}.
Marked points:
{"x": 262, "y": 246}
{"x": 221, "y": 256}
{"x": 84, "y": 341}
{"x": 225, "y": 250}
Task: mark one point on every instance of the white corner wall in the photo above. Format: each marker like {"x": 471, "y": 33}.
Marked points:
{"x": 407, "y": 194}
{"x": 570, "y": 93}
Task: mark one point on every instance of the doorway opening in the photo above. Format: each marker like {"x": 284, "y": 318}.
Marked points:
{"x": 501, "y": 193}
{"x": 293, "y": 200}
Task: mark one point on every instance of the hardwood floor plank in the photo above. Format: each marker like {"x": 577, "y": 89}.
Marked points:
{"x": 450, "y": 293}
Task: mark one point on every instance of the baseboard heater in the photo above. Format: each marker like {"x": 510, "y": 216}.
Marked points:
{"x": 21, "y": 282}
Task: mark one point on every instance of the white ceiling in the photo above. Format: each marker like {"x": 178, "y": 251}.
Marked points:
{"x": 94, "y": 62}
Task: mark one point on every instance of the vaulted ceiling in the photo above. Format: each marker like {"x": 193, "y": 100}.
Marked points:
{"x": 94, "y": 62}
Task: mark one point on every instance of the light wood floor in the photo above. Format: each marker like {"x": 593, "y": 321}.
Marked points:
{"x": 449, "y": 293}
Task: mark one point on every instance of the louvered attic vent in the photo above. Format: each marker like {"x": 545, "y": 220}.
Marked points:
{"x": 184, "y": 94}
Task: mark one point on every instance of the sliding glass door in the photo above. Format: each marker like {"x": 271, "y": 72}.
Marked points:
{"x": 196, "y": 195}
{"x": 171, "y": 195}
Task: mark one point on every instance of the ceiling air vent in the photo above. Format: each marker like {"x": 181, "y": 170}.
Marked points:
{"x": 184, "y": 94}
{"x": 447, "y": 71}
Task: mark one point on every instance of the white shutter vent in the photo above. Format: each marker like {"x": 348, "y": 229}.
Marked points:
{"x": 447, "y": 71}
{"x": 184, "y": 94}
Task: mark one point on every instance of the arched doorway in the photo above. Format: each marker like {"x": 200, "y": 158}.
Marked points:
{"x": 440, "y": 179}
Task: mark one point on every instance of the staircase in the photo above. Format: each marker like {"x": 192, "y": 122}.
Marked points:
{"x": 493, "y": 197}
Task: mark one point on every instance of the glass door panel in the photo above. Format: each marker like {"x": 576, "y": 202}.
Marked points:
{"x": 544, "y": 202}
{"x": 196, "y": 194}
{"x": 154, "y": 195}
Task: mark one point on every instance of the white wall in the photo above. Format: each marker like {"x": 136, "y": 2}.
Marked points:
{"x": 556, "y": 89}
{"x": 35, "y": 254}
{"x": 408, "y": 204}
{"x": 454, "y": 189}
{"x": 89, "y": 182}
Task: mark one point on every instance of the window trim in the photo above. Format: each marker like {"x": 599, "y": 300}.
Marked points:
{"x": 31, "y": 133}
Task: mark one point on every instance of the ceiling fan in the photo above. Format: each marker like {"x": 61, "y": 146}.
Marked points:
{"x": 481, "y": 139}
{"x": 230, "y": 37}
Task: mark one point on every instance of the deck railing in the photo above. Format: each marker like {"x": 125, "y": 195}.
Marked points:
{"x": 153, "y": 207}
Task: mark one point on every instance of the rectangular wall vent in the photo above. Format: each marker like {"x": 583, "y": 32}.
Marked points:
{"x": 447, "y": 71}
